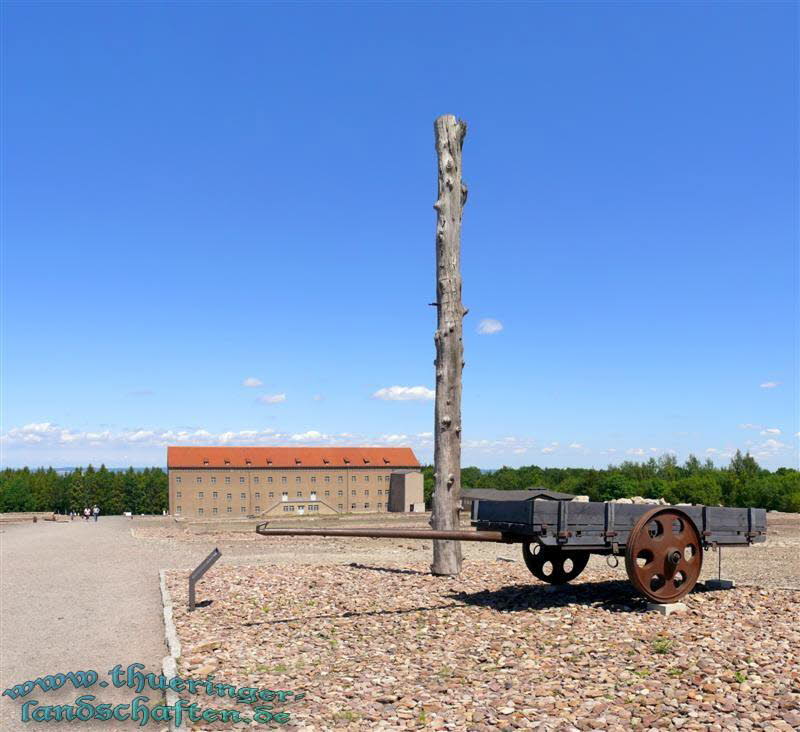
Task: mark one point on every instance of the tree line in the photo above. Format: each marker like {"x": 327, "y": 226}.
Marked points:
{"x": 138, "y": 491}
{"x": 742, "y": 483}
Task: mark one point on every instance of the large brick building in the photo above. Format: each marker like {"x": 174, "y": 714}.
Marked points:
{"x": 227, "y": 482}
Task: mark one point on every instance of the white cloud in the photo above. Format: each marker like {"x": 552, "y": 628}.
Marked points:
{"x": 749, "y": 426}
{"x": 770, "y": 448}
{"x": 405, "y": 393}
{"x": 489, "y": 326}
{"x": 548, "y": 450}
{"x": 252, "y": 382}
{"x": 306, "y": 436}
{"x": 394, "y": 438}
{"x": 635, "y": 451}
{"x": 576, "y": 445}
{"x": 272, "y": 398}
{"x": 771, "y": 431}
{"x": 770, "y": 384}
{"x": 141, "y": 435}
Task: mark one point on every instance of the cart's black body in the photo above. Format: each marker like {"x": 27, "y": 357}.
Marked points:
{"x": 603, "y": 528}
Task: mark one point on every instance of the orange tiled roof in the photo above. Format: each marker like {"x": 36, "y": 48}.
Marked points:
{"x": 291, "y": 457}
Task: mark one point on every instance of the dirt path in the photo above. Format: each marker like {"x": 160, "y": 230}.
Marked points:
{"x": 79, "y": 596}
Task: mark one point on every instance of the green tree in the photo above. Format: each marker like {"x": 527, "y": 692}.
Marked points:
{"x": 616, "y": 486}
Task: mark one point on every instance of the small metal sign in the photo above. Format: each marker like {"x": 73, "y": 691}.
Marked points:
{"x": 202, "y": 568}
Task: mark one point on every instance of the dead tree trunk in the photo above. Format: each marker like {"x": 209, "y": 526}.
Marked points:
{"x": 450, "y": 134}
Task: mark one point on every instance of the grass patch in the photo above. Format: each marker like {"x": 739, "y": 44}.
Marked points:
{"x": 347, "y": 716}
{"x": 662, "y": 645}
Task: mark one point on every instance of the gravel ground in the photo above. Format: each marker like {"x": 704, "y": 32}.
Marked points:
{"x": 375, "y": 642}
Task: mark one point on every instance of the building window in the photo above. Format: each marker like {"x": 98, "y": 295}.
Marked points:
{"x": 352, "y": 493}
{"x": 255, "y": 479}
{"x": 300, "y": 508}
{"x": 299, "y": 494}
{"x": 366, "y": 505}
{"x": 272, "y": 494}
{"x": 341, "y": 493}
{"x": 215, "y": 495}
{"x": 313, "y": 478}
{"x": 228, "y": 509}
{"x": 340, "y": 507}
{"x": 380, "y": 478}
{"x": 227, "y": 478}
{"x": 286, "y": 509}
{"x": 297, "y": 479}
{"x": 229, "y": 496}
{"x": 200, "y": 495}
{"x": 353, "y": 506}
{"x": 241, "y": 479}
{"x": 213, "y": 478}
{"x": 283, "y": 479}
{"x": 198, "y": 479}
{"x": 243, "y": 495}
{"x": 313, "y": 496}
{"x": 387, "y": 478}
{"x": 199, "y": 511}
{"x": 258, "y": 509}
{"x": 215, "y": 510}
{"x": 327, "y": 493}
{"x": 380, "y": 492}
{"x": 178, "y": 494}
{"x": 258, "y": 496}
{"x": 327, "y": 478}
{"x": 313, "y": 508}
{"x": 339, "y": 479}
{"x": 353, "y": 478}
{"x": 269, "y": 479}
{"x": 178, "y": 509}
{"x": 242, "y": 509}
{"x": 285, "y": 496}
{"x": 177, "y": 478}
{"x": 366, "y": 492}
{"x": 366, "y": 479}
{"x": 380, "y": 505}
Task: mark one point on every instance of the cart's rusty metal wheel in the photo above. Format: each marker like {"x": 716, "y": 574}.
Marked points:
{"x": 664, "y": 555}
{"x": 554, "y": 565}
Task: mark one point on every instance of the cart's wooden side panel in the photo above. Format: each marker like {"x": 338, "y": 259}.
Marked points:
{"x": 600, "y": 526}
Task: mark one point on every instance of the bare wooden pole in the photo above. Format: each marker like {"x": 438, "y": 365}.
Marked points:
{"x": 450, "y": 134}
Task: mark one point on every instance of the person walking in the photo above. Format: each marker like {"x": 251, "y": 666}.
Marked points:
{"x": 96, "y": 511}
{"x": 86, "y": 513}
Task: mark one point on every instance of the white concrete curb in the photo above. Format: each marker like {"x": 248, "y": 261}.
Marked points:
{"x": 169, "y": 665}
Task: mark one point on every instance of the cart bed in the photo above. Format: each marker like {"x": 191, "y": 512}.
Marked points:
{"x": 599, "y": 526}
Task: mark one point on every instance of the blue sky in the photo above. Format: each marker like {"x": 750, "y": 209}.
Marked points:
{"x": 195, "y": 195}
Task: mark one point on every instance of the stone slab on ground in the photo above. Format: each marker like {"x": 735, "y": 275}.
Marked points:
{"x": 666, "y": 608}
{"x": 719, "y": 584}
